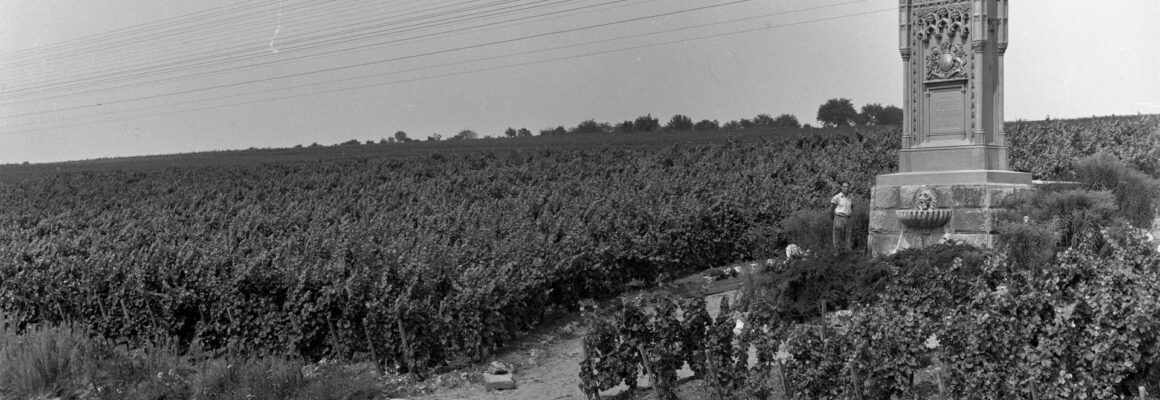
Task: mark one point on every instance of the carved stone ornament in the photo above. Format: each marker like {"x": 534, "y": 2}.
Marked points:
{"x": 925, "y": 200}
{"x": 924, "y": 220}
{"x": 926, "y": 215}
{"x": 943, "y": 23}
{"x": 946, "y": 61}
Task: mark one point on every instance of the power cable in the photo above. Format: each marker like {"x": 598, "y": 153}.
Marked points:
{"x": 145, "y": 70}
{"x": 510, "y": 55}
{"x": 445, "y": 51}
{"x": 768, "y": 27}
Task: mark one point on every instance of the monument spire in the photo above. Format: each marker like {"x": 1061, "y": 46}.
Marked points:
{"x": 954, "y": 149}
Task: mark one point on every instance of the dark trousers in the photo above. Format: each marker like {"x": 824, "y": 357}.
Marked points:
{"x": 843, "y": 233}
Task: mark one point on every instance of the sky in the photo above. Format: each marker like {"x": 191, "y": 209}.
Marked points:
{"x": 81, "y": 79}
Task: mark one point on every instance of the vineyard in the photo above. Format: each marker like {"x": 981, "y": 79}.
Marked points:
{"x": 1048, "y": 148}
{"x": 438, "y": 258}
{"x": 421, "y": 262}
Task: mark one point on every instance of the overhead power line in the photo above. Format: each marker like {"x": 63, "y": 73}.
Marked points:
{"x": 438, "y": 76}
{"x": 98, "y": 39}
{"x": 290, "y": 44}
{"x": 393, "y": 59}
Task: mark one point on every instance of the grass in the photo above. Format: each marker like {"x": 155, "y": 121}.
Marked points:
{"x": 43, "y": 360}
{"x": 67, "y": 362}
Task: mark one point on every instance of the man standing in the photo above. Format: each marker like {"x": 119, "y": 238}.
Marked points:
{"x": 842, "y": 209}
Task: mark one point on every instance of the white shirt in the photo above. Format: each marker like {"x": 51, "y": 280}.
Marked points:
{"x": 843, "y": 203}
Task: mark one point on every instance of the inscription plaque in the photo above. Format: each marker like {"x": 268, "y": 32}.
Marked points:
{"x": 947, "y": 109}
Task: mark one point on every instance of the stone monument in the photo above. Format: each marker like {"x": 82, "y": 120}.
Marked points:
{"x": 952, "y": 168}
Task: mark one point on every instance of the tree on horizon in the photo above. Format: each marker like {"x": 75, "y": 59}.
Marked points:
{"x": 837, "y": 112}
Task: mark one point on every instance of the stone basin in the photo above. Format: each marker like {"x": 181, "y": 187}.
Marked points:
{"x": 924, "y": 219}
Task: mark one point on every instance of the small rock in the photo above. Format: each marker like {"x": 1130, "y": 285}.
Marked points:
{"x": 499, "y": 368}
{"x": 310, "y": 371}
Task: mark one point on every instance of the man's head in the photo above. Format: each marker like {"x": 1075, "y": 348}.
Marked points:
{"x": 845, "y": 187}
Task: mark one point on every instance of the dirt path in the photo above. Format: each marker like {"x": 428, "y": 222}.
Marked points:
{"x": 555, "y": 375}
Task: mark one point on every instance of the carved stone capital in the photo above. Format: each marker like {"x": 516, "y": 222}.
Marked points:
{"x": 905, "y": 54}
{"x": 1002, "y": 48}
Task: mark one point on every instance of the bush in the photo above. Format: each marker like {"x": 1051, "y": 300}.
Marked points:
{"x": 805, "y": 288}
{"x": 766, "y": 242}
{"x": 64, "y": 361}
{"x": 646, "y": 334}
{"x": 814, "y": 229}
{"x": 43, "y": 360}
{"x": 1075, "y": 213}
{"x": 809, "y": 229}
{"x": 930, "y": 277}
{"x": 1028, "y": 244}
{"x": 1135, "y": 192}
{"x": 1082, "y": 327}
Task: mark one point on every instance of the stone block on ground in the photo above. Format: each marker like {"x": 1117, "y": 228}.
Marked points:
{"x": 499, "y": 381}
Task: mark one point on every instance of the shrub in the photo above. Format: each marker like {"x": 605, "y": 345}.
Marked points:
{"x": 64, "y": 361}
{"x": 1083, "y": 327}
{"x": 1075, "y": 213}
{"x": 646, "y": 334}
{"x": 806, "y": 288}
{"x": 814, "y": 229}
{"x": 1028, "y": 244}
{"x": 43, "y": 360}
{"x": 860, "y": 217}
{"x": 766, "y": 242}
{"x": 1135, "y": 192}
{"x": 1079, "y": 213}
{"x": 809, "y": 229}
{"x": 930, "y": 277}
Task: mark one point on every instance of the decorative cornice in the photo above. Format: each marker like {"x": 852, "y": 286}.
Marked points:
{"x": 935, "y": 3}
{"x": 942, "y": 23}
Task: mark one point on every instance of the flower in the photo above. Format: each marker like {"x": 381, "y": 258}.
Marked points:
{"x": 783, "y": 354}
{"x": 931, "y": 342}
{"x": 739, "y": 326}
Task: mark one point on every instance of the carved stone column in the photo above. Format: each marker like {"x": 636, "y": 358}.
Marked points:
{"x": 978, "y": 83}
{"x": 906, "y": 125}
{"x": 1000, "y": 73}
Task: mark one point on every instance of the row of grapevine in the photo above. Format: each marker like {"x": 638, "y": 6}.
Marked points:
{"x": 418, "y": 262}
{"x": 1048, "y": 148}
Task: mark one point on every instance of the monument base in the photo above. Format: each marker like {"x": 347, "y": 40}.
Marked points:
{"x": 975, "y": 198}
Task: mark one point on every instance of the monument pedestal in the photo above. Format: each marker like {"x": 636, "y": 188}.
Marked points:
{"x": 953, "y": 170}
{"x": 972, "y": 198}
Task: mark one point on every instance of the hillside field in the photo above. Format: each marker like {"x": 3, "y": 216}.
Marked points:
{"x": 429, "y": 254}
